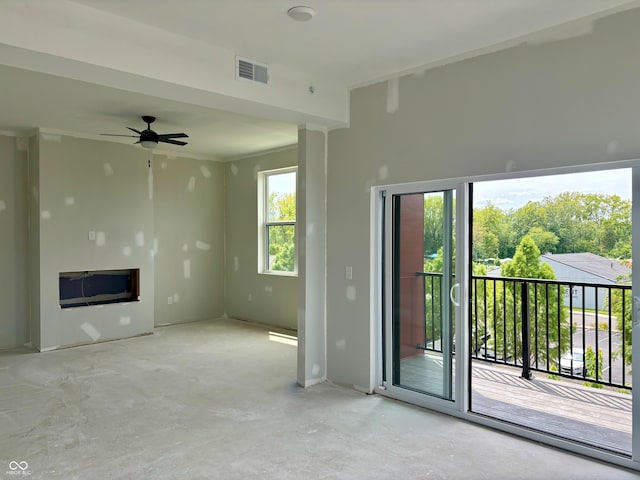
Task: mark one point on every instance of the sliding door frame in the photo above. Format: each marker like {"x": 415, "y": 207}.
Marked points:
{"x": 460, "y": 407}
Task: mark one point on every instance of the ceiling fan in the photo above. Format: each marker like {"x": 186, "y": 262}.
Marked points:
{"x": 150, "y": 139}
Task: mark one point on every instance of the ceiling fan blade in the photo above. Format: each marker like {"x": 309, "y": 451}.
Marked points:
{"x": 134, "y": 130}
{"x": 116, "y": 135}
{"x": 173, "y": 142}
{"x": 173, "y": 135}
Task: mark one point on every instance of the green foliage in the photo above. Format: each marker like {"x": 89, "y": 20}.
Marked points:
{"x": 622, "y": 309}
{"x": 569, "y": 222}
{"x": 526, "y": 263}
{"x": 499, "y": 312}
{"x": 433, "y": 205}
{"x": 590, "y": 364}
{"x": 282, "y": 250}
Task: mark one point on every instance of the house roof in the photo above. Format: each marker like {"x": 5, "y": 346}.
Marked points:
{"x": 590, "y": 263}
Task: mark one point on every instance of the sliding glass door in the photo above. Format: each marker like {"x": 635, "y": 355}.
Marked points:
{"x": 421, "y": 303}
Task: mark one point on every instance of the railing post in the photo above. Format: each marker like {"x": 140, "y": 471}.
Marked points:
{"x": 526, "y": 373}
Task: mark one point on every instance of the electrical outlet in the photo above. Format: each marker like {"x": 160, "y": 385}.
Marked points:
{"x": 348, "y": 273}
{"x": 170, "y": 301}
{"x": 92, "y": 235}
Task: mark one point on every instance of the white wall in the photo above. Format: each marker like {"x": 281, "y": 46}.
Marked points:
{"x": 264, "y": 298}
{"x": 188, "y": 210}
{"x": 567, "y": 102}
{"x": 13, "y": 241}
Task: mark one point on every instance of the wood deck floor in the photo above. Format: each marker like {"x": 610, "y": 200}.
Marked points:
{"x": 568, "y": 409}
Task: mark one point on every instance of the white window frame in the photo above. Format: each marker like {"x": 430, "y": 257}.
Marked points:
{"x": 263, "y": 224}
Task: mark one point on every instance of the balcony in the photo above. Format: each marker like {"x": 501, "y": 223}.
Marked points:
{"x": 541, "y": 359}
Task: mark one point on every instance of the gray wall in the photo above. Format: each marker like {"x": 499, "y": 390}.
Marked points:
{"x": 33, "y": 258}
{"x": 264, "y": 298}
{"x": 87, "y": 185}
{"x": 13, "y": 241}
{"x": 188, "y": 211}
{"x": 567, "y": 102}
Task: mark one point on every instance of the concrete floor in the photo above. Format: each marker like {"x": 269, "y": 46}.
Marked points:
{"x": 217, "y": 400}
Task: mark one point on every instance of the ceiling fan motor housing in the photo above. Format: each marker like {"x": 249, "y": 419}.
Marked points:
{"x": 148, "y": 135}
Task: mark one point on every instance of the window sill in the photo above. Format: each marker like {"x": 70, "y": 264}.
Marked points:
{"x": 279, "y": 274}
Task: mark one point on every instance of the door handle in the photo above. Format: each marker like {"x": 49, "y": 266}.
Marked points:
{"x": 451, "y": 293}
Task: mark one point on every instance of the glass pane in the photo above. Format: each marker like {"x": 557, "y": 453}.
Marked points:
{"x": 281, "y": 197}
{"x": 423, "y": 313}
{"x": 282, "y": 251}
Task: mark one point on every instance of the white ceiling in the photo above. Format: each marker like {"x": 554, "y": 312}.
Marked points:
{"x": 351, "y": 42}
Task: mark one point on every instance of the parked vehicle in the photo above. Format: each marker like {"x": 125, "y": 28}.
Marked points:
{"x": 572, "y": 363}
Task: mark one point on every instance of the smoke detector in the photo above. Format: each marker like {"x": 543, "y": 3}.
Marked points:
{"x": 301, "y": 13}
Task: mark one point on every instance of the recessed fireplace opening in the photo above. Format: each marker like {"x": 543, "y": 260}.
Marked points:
{"x": 99, "y": 287}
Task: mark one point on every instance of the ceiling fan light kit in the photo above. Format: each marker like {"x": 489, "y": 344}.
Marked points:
{"x": 149, "y": 139}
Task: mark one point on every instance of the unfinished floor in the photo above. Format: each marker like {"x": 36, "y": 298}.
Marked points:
{"x": 217, "y": 400}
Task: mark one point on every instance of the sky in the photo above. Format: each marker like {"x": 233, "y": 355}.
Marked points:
{"x": 513, "y": 194}
{"x": 284, "y": 183}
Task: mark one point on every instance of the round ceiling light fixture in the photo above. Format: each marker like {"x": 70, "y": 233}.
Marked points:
{"x": 301, "y": 13}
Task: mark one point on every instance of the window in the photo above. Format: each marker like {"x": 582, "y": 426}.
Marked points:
{"x": 277, "y": 221}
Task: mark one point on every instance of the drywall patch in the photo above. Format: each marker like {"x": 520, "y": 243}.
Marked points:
{"x": 206, "y": 173}
{"x": 613, "y": 147}
{"x": 186, "y": 268}
{"x": 315, "y": 370}
{"x": 22, "y": 144}
{"x": 125, "y": 321}
{"x": 163, "y": 165}
{"x": 509, "y": 166}
{"x": 108, "y": 169}
{"x": 126, "y": 251}
{"x": 393, "y": 95}
{"x": 202, "y": 245}
{"x": 155, "y": 246}
{"x": 191, "y": 186}
{"x": 341, "y": 343}
{"x": 310, "y": 229}
{"x": 176, "y": 297}
{"x": 69, "y": 201}
{"x": 50, "y": 137}
{"x": 90, "y": 330}
{"x": 383, "y": 172}
{"x": 3, "y": 206}
{"x": 234, "y": 169}
{"x": 236, "y": 263}
{"x": 185, "y": 247}
{"x": 268, "y": 288}
{"x": 101, "y": 239}
{"x": 45, "y": 215}
{"x": 140, "y": 239}
{"x": 351, "y": 293}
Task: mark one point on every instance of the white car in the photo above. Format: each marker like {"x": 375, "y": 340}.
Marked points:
{"x": 573, "y": 363}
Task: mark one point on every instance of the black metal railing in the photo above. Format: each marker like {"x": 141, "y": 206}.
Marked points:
{"x": 569, "y": 329}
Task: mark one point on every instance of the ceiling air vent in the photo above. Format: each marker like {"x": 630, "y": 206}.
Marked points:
{"x": 251, "y": 70}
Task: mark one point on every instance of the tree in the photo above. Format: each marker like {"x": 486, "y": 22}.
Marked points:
{"x": 621, "y": 307}
{"x": 491, "y": 233}
{"x": 282, "y": 251}
{"x": 548, "y": 324}
{"x": 590, "y": 364}
{"x": 432, "y": 223}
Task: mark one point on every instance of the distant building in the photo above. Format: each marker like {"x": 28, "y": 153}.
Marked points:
{"x": 586, "y": 268}
{"x": 583, "y": 268}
